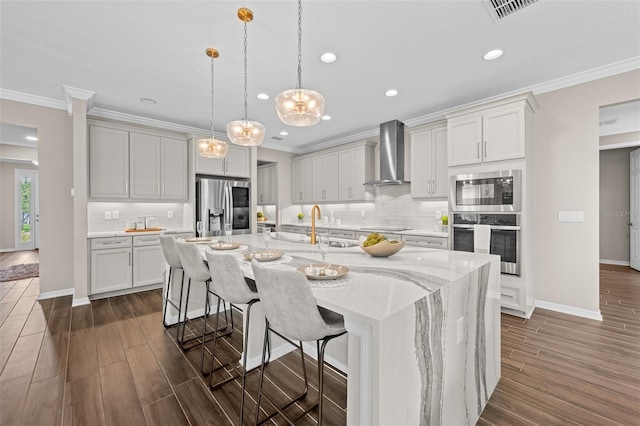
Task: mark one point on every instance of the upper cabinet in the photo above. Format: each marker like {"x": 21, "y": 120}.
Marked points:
{"x": 235, "y": 164}
{"x": 491, "y": 132}
{"x": 137, "y": 166}
{"x": 429, "y": 173}
{"x": 325, "y": 177}
{"x": 267, "y": 184}
{"x": 302, "y": 180}
{"x": 356, "y": 168}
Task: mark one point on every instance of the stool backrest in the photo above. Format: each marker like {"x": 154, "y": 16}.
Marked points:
{"x": 192, "y": 261}
{"x": 170, "y": 251}
{"x": 289, "y": 304}
{"x": 227, "y": 280}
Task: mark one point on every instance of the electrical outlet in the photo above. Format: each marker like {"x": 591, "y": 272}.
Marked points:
{"x": 362, "y": 214}
{"x": 460, "y": 331}
{"x": 170, "y": 214}
{"x": 115, "y": 214}
{"x": 107, "y": 215}
{"x": 438, "y": 214}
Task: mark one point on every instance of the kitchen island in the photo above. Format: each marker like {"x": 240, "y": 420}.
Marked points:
{"x": 423, "y": 329}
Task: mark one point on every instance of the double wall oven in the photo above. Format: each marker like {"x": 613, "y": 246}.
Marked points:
{"x": 490, "y": 199}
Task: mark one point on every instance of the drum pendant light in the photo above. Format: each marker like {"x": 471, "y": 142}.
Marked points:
{"x": 300, "y": 107}
{"x": 245, "y": 132}
{"x": 212, "y": 147}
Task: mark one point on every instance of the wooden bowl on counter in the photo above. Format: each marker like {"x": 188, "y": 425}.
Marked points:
{"x": 383, "y": 248}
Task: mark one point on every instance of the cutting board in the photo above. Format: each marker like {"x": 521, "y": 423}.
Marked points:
{"x": 144, "y": 230}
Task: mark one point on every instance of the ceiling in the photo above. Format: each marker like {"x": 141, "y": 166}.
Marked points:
{"x": 430, "y": 51}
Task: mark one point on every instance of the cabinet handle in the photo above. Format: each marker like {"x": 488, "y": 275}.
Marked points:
{"x": 485, "y": 149}
{"x": 126, "y": 187}
{"x": 163, "y": 189}
{"x": 226, "y": 166}
{"x": 478, "y": 150}
{"x": 129, "y": 258}
{"x": 158, "y": 190}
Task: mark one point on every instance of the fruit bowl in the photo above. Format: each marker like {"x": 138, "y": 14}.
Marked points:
{"x": 383, "y": 248}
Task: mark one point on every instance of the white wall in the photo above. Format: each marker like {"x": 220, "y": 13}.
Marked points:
{"x": 566, "y": 177}
{"x": 55, "y": 149}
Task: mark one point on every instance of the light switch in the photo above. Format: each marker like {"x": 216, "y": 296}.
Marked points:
{"x": 170, "y": 214}
{"x": 107, "y": 215}
{"x": 576, "y": 216}
{"x": 115, "y": 214}
{"x": 362, "y": 214}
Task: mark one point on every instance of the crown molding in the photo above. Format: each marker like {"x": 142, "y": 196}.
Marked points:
{"x": 26, "y": 98}
{"x": 71, "y": 93}
{"x": 330, "y": 143}
{"x": 144, "y": 121}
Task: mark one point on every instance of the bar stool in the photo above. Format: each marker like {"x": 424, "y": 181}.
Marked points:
{"x": 228, "y": 284}
{"x": 292, "y": 313}
{"x": 172, "y": 257}
{"x": 195, "y": 269}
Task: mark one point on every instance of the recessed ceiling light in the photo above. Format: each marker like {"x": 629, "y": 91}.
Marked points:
{"x": 148, "y": 101}
{"x": 326, "y": 117}
{"x": 263, "y": 96}
{"x": 492, "y": 54}
{"x": 31, "y": 138}
{"x": 284, "y": 133}
{"x": 328, "y": 57}
{"x": 391, "y": 92}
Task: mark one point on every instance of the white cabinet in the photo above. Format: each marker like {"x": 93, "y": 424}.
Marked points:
{"x": 493, "y": 133}
{"x": 429, "y": 173}
{"x": 426, "y": 241}
{"x": 148, "y": 260}
{"x": 301, "y": 180}
{"x": 267, "y": 184}
{"x": 111, "y": 264}
{"x": 325, "y": 177}
{"x": 236, "y": 163}
{"x": 138, "y": 166}
{"x": 108, "y": 163}
{"x": 356, "y": 168}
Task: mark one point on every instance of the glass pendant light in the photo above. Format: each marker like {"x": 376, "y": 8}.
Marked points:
{"x": 245, "y": 132}
{"x": 212, "y": 147}
{"x": 300, "y": 107}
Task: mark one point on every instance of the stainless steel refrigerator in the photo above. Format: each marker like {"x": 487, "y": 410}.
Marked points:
{"x": 221, "y": 201}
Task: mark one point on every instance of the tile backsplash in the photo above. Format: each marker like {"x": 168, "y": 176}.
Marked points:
{"x": 129, "y": 212}
{"x": 392, "y": 206}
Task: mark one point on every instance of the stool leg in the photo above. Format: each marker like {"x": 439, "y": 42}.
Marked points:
{"x": 213, "y": 347}
{"x": 204, "y": 324}
{"x": 186, "y": 310}
{"x": 166, "y": 299}
{"x": 180, "y": 301}
{"x": 264, "y": 347}
{"x": 244, "y": 359}
{"x": 320, "y": 378}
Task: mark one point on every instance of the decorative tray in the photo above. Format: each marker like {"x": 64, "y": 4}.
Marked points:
{"x": 224, "y": 246}
{"x": 264, "y": 256}
{"x": 322, "y": 271}
{"x": 143, "y": 230}
{"x": 200, "y": 240}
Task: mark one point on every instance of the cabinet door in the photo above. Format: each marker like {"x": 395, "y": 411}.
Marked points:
{"x": 421, "y": 153}
{"x": 144, "y": 157}
{"x": 110, "y": 270}
{"x": 439, "y": 169}
{"x": 319, "y": 178}
{"x": 465, "y": 135}
{"x": 345, "y": 175}
{"x": 210, "y": 166}
{"x": 296, "y": 181}
{"x": 237, "y": 162}
{"x": 108, "y": 163}
{"x": 358, "y": 173}
{"x": 174, "y": 170}
{"x": 266, "y": 184}
{"x": 262, "y": 184}
{"x": 332, "y": 173}
{"x": 148, "y": 265}
{"x": 307, "y": 180}
{"x": 503, "y": 134}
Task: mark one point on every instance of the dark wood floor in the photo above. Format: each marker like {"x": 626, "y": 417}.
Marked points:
{"x": 113, "y": 363}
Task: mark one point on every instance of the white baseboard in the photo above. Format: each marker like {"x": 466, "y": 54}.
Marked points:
{"x": 80, "y": 301}
{"x": 7, "y": 250}
{"x": 615, "y": 262}
{"x": 276, "y": 353}
{"x": 57, "y": 293}
{"x": 571, "y": 310}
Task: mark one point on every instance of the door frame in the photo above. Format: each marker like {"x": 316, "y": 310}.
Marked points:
{"x": 34, "y": 213}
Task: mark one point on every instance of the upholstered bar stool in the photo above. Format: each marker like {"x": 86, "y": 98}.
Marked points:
{"x": 172, "y": 257}
{"x": 195, "y": 269}
{"x": 229, "y": 285}
{"x": 292, "y": 313}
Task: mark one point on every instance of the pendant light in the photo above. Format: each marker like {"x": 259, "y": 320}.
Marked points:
{"x": 245, "y": 132}
{"x": 300, "y": 107}
{"x": 212, "y": 147}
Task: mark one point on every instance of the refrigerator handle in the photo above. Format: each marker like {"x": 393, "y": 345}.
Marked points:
{"x": 228, "y": 203}
{"x": 208, "y": 222}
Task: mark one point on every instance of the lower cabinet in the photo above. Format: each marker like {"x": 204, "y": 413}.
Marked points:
{"x": 120, "y": 263}
{"x": 426, "y": 241}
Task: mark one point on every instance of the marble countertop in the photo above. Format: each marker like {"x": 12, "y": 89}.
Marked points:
{"x": 419, "y": 232}
{"x": 105, "y": 234}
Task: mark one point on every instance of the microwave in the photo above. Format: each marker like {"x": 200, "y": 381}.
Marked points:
{"x": 499, "y": 191}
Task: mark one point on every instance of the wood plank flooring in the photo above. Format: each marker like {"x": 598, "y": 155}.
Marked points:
{"x": 113, "y": 363}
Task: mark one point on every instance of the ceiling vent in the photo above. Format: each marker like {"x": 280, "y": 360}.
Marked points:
{"x": 502, "y": 8}
{"x": 276, "y": 138}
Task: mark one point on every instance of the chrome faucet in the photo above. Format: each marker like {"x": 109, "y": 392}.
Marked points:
{"x": 314, "y": 209}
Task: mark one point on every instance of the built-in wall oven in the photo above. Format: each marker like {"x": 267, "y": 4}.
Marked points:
{"x": 504, "y": 239}
{"x": 486, "y": 192}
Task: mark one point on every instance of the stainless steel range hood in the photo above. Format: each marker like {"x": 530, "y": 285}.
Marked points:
{"x": 391, "y": 154}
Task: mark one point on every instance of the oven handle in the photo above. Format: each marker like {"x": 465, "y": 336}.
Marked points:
{"x": 496, "y": 227}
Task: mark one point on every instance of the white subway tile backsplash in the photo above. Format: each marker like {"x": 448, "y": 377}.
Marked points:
{"x": 129, "y": 212}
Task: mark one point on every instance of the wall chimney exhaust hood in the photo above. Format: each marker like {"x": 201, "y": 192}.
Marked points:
{"x": 391, "y": 154}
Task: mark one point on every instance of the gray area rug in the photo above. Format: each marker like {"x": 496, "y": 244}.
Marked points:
{"x": 20, "y": 272}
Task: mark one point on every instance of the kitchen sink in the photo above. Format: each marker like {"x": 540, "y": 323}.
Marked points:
{"x": 342, "y": 244}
